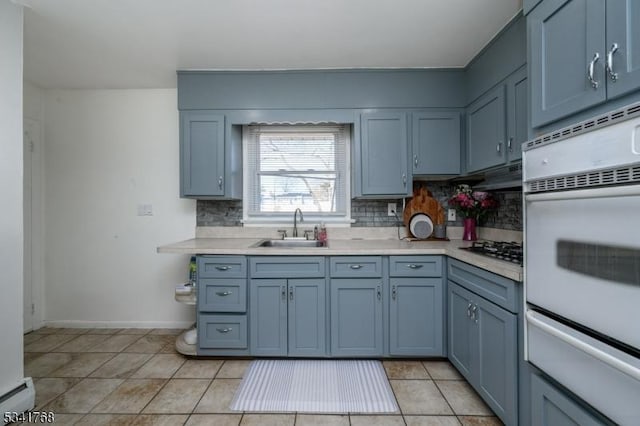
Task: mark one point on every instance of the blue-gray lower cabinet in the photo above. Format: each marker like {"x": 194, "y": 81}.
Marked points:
{"x": 415, "y": 317}
{"x": 356, "y": 317}
{"x": 288, "y": 317}
{"x": 552, "y": 407}
{"x": 222, "y": 331}
{"x": 483, "y": 345}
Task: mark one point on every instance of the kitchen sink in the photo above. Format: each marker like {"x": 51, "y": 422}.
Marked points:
{"x": 292, "y": 243}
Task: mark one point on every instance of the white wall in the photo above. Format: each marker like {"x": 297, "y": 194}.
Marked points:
{"x": 11, "y": 233}
{"x": 106, "y": 152}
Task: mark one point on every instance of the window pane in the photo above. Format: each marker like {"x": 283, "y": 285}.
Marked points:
{"x": 297, "y": 153}
{"x": 310, "y": 192}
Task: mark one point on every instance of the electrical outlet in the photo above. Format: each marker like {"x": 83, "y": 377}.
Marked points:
{"x": 391, "y": 209}
{"x": 451, "y": 215}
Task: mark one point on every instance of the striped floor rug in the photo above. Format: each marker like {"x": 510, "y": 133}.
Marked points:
{"x": 315, "y": 386}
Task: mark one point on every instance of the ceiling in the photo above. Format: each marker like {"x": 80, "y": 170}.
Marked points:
{"x": 141, "y": 43}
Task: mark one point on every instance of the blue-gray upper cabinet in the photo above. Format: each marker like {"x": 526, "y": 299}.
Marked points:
{"x": 436, "y": 143}
{"x": 517, "y": 113}
{"x": 486, "y": 130}
{"x": 209, "y": 160}
{"x": 288, "y": 317}
{"x": 382, "y": 160}
{"x": 582, "y": 53}
{"x": 356, "y": 317}
{"x": 623, "y": 31}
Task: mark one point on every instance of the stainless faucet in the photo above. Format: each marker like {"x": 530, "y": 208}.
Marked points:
{"x": 295, "y": 224}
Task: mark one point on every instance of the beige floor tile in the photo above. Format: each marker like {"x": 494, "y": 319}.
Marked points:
{"x": 139, "y": 331}
{"x": 31, "y": 337}
{"x": 48, "y": 342}
{"x": 178, "y": 396}
{"x": 321, "y": 420}
{"x": 233, "y": 369}
{"x": 214, "y": 419}
{"x": 84, "y": 396}
{"x": 376, "y": 421}
{"x": 30, "y": 356}
{"x": 42, "y": 366}
{"x": 81, "y": 343}
{"x": 462, "y": 398}
{"x": 268, "y": 419}
{"x": 67, "y": 419}
{"x": 82, "y": 364}
{"x": 218, "y": 397}
{"x": 167, "y": 331}
{"x": 105, "y": 330}
{"x": 405, "y": 370}
{"x": 198, "y": 369}
{"x": 160, "y": 366}
{"x": 442, "y": 370}
{"x": 431, "y": 421}
{"x": 149, "y": 344}
{"x": 161, "y": 420}
{"x": 130, "y": 397}
{"x": 122, "y": 366}
{"x": 480, "y": 421}
{"x": 419, "y": 397}
{"x": 169, "y": 348}
{"x": 115, "y": 343}
{"x": 49, "y": 388}
{"x": 62, "y": 330}
{"x": 107, "y": 420}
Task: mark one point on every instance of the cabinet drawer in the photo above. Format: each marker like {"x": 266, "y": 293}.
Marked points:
{"x": 497, "y": 289}
{"x": 287, "y": 267}
{"x": 222, "y": 295}
{"x": 222, "y": 331}
{"x": 356, "y": 266}
{"x": 415, "y": 266}
{"x": 222, "y": 266}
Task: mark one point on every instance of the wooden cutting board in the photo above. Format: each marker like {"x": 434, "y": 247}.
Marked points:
{"x": 423, "y": 202}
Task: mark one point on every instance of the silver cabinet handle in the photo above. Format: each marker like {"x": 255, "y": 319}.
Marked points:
{"x": 474, "y": 313}
{"x": 404, "y": 179}
{"x": 414, "y": 266}
{"x": 355, "y": 266}
{"x": 220, "y": 182}
{"x": 415, "y": 160}
{"x": 613, "y": 75}
{"x": 290, "y": 293}
{"x": 283, "y": 292}
{"x": 379, "y": 293}
{"x": 510, "y": 144}
{"x": 499, "y": 148}
{"x": 224, "y": 330}
{"x": 394, "y": 294}
{"x": 223, "y": 267}
{"x": 469, "y": 309}
{"x": 224, "y": 293}
{"x": 590, "y": 71}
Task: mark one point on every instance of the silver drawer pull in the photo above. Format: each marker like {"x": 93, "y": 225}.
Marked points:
{"x": 414, "y": 266}
{"x": 355, "y": 266}
{"x": 224, "y": 293}
{"x": 590, "y": 70}
{"x": 223, "y": 267}
{"x": 224, "y": 330}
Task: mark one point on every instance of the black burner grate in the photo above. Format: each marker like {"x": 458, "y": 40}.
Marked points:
{"x": 509, "y": 251}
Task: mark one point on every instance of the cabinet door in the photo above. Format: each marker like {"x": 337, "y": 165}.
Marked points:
{"x": 460, "y": 329}
{"x": 202, "y": 154}
{"x": 564, "y": 36}
{"x": 486, "y": 130}
{"x": 517, "y": 113}
{"x": 623, "y": 29}
{"x": 436, "y": 143}
{"x": 384, "y": 159}
{"x": 551, "y": 407}
{"x": 306, "y": 317}
{"x": 268, "y": 317}
{"x": 497, "y": 371}
{"x": 356, "y": 317}
{"x": 416, "y": 323}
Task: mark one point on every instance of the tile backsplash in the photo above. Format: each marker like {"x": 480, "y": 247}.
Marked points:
{"x": 373, "y": 213}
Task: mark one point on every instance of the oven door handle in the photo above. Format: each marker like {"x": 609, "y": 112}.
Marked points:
{"x": 619, "y": 365}
{"x": 608, "y": 192}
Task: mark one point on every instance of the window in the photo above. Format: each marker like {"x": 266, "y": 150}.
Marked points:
{"x": 296, "y": 166}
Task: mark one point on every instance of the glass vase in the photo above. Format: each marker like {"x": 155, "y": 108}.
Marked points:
{"x": 469, "y": 231}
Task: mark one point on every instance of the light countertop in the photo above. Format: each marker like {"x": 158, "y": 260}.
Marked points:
{"x": 354, "y": 247}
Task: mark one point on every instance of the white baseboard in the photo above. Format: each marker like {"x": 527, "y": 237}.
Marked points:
{"x": 118, "y": 324}
{"x": 19, "y": 400}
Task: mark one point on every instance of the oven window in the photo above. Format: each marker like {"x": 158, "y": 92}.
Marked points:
{"x": 612, "y": 263}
